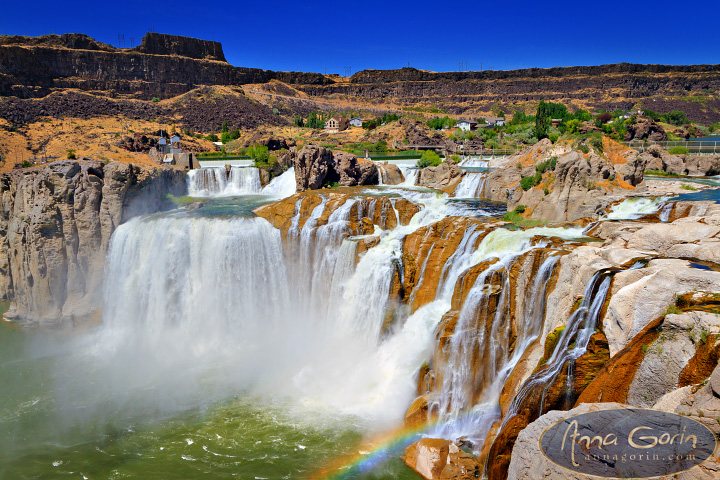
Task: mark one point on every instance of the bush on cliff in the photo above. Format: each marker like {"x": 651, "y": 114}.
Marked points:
{"x": 429, "y": 159}
{"x": 676, "y": 117}
{"x": 679, "y": 150}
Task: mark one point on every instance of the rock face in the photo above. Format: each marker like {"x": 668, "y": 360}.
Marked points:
{"x": 580, "y": 185}
{"x": 528, "y": 462}
{"x": 694, "y": 165}
{"x": 55, "y": 227}
{"x": 645, "y": 129}
{"x": 163, "y": 44}
{"x": 435, "y": 458}
{"x": 445, "y": 176}
{"x": 317, "y": 166}
{"x": 165, "y": 65}
{"x": 390, "y": 173}
{"x": 417, "y": 133}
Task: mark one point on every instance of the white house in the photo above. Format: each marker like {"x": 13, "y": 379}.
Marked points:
{"x": 464, "y": 125}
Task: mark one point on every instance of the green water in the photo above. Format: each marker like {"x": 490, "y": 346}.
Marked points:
{"x": 47, "y": 433}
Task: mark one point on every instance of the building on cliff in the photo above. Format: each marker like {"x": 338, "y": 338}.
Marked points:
{"x": 336, "y": 124}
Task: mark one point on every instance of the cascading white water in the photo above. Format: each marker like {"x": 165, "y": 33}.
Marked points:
{"x": 635, "y": 207}
{"x": 214, "y": 181}
{"x": 281, "y": 186}
{"x": 460, "y": 415}
{"x": 580, "y": 327}
{"x": 206, "y": 182}
{"x": 472, "y": 185}
{"x": 410, "y": 174}
{"x": 473, "y": 162}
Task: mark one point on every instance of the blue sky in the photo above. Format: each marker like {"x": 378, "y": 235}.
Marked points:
{"x": 315, "y": 36}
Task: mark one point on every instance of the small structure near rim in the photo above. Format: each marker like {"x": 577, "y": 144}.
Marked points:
{"x": 336, "y": 124}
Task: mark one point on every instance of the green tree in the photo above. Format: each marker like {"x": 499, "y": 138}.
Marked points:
{"x": 676, "y": 117}
{"x": 429, "y": 159}
{"x": 542, "y": 121}
{"x": 224, "y": 127}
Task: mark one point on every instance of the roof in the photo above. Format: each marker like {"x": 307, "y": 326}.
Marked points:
{"x": 174, "y": 139}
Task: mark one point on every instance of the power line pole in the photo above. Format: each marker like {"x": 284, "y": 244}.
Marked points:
{"x": 121, "y": 40}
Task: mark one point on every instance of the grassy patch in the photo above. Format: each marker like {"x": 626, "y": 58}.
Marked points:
{"x": 686, "y": 186}
{"x": 662, "y": 173}
{"x": 518, "y": 220}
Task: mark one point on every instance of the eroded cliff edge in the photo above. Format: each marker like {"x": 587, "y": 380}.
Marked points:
{"x": 55, "y": 228}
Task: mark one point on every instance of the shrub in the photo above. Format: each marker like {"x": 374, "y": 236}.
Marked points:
{"x": 676, "y": 117}
{"x": 26, "y": 164}
{"x": 259, "y": 153}
{"x": 679, "y": 150}
{"x": 155, "y": 99}
{"x": 597, "y": 143}
{"x": 429, "y": 159}
{"x": 528, "y": 182}
{"x": 548, "y": 164}
{"x": 553, "y": 137}
{"x": 212, "y": 137}
{"x": 71, "y": 154}
{"x": 520, "y": 209}
{"x": 584, "y": 148}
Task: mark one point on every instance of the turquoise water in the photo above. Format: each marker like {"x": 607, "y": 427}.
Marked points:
{"x": 51, "y": 431}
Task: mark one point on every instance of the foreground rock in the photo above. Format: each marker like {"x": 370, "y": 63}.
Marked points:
{"x": 435, "y": 458}
{"x": 55, "y": 227}
{"x": 316, "y": 167}
{"x": 445, "y": 176}
{"x": 528, "y": 462}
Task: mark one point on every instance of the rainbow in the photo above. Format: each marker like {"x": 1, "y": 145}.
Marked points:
{"x": 375, "y": 452}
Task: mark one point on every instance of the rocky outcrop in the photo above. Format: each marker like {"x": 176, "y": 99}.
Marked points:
{"x": 557, "y": 183}
{"x": 445, "y": 176}
{"x": 164, "y": 44}
{"x": 435, "y": 458}
{"x": 390, "y": 173}
{"x": 659, "y": 159}
{"x": 162, "y": 66}
{"x": 417, "y": 133}
{"x": 317, "y": 166}
{"x": 646, "y": 129}
{"x": 365, "y": 212}
{"x": 55, "y": 227}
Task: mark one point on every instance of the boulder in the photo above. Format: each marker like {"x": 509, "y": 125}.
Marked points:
{"x": 354, "y": 171}
{"x": 666, "y": 357}
{"x": 445, "y": 176}
{"x": 317, "y": 166}
{"x": 391, "y": 174}
{"x": 645, "y": 129}
{"x": 642, "y": 295}
{"x": 438, "y": 459}
{"x": 529, "y": 463}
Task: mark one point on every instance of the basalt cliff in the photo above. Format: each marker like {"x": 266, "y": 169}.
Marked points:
{"x": 55, "y": 227}
{"x": 165, "y": 66}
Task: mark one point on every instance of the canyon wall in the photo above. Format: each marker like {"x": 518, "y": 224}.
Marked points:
{"x": 163, "y": 66}
{"x": 55, "y": 228}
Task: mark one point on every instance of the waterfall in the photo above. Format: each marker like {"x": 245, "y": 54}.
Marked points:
{"x": 410, "y": 174}
{"x": 579, "y": 328}
{"x": 281, "y": 186}
{"x": 206, "y": 182}
{"x": 214, "y": 181}
{"x": 473, "y": 162}
{"x": 635, "y": 207}
{"x": 203, "y": 306}
{"x": 665, "y": 212}
{"x": 471, "y": 185}
{"x": 380, "y": 174}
